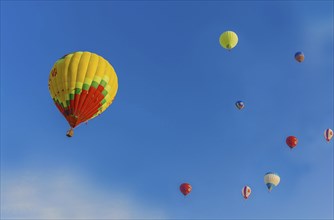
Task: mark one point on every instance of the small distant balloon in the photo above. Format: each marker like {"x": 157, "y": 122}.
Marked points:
{"x": 299, "y": 56}
{"x": 240, "y": 105}
{"x": 291, "y": 141}
{"x": 271, "y": 180}
{"x": 185, "y": 188}
{"x": 228, "y": 40}
{"x": 246, "y": 191}
{"x": 328, "y": 134}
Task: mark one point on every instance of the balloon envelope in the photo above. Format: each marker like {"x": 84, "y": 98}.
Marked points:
{"x": 291, "y": 141}
{"x": 299, "y": 56}
{"x": 82, "y": 86}
{"x": 246, "y": 191}
{"x": 271, "y": 180}
{"x": 228, "y": 40}
{"x": 328, "y": 134}
{"x": 185, "y": 188}
{"x": 240, "y": 105}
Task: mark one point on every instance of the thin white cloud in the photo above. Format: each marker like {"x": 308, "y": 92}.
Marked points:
{"x": 65, "y": 195}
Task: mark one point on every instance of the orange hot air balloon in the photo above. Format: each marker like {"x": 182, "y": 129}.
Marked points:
{"x": 185, "y": 188}
{"x": 291, "y": 141}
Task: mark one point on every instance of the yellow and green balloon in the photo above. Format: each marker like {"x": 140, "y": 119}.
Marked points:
{"x": 82, "y": 86}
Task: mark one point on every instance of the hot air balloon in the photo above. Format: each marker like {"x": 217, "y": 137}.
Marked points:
{"x": 240, "y": 105}
{"x": 291, "y": 141}
{"x": 299, "y": 56}
{"x": 228, "y": 40}
{"x": 82, "y": 86}
{"x": 185, "y": 188}
{"x": 246, "y": 191}
{"x": 271, "y": 180}
{"x": 328, "y": 134}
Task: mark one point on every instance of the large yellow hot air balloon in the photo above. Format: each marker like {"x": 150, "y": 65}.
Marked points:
{"x": 82, "y": 85}
{"x": 228, "y": 40}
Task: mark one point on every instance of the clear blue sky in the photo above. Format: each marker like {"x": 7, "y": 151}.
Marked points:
{"x": 173, "y": 119}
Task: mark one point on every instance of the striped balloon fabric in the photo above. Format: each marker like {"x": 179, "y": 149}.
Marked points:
{"x": 246, "y": 191}
{"x": 328, "y": 134}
